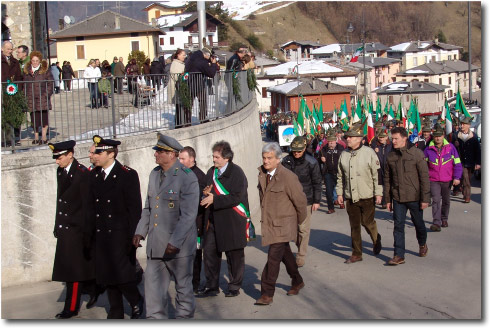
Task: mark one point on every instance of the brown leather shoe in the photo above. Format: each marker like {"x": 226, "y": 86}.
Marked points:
{"x": 396, "y": 260}
{"x": 295, "y": 289}
{"x": 331, "y": 211}
{"x": 336, "y": 202}
{"x": 435, "y": 227}
{"x": 423, "y": 250}
{"x": 466, "y": 200}
{"x": 263, "y": 300}
{"x": 342, "y": 206}
{"x": 444, "y": 224}
{"x": 353, "y": 259}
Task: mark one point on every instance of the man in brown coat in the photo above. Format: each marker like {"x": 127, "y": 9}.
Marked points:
{"x": 119, "y": 73}
{"x": 283, "y": 204}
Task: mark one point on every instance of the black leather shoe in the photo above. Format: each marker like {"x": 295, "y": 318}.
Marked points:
{"x": 137, "y": 310}
{"x": 232, "y": 293}
{"x": 208, "y": 292}
{"x": 66, "y": 314}
{"x": 93, "y": 299}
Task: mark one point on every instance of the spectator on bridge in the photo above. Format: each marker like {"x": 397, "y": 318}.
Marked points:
{"x": 22, "y": 56}
{"x": 407, "y": 187}
{"x": 39, "y": 88}
{"x": 235, "y": 62}
{"x": 119, "y": 73}
{"x": 56, "y": 77}
{"x": 92, "y": 74}
{"x": 67, "y": 74}
{"x": 200, "y": 66}
{"x": 156, "y": 71}
{"x": 132, "y": 73}
{"x": 182, "y": 116}
{"x": 113, "y": 64}
{"x": 147, "y": 71}
{"x": 106, "y": 67}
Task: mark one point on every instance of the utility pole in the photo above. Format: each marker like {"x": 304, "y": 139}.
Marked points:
{"x": 364, "y": 53}
{"x": 201, "y": 22}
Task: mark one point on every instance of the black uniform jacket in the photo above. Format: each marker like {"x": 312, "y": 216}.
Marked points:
{"x": 229, "y": 226}
{"x": 71, "y": 263}
{"x": 116, "y": 212}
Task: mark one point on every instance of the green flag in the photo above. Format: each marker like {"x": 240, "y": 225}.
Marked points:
{"x": 357, "y": 115}
{"x": 387, "y": 111}
{"x": 391, "y": 115}
{"x": 344, "y": 115}
{"x": 460, "y": 106}
{"x": 320, "y": 112}
{"x": 301, "y": 116}
{"x": 296, "y": 128}
{"x": 379, "y": 114}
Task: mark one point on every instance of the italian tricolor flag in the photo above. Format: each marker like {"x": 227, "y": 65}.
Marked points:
{"x": 356, "y": 55}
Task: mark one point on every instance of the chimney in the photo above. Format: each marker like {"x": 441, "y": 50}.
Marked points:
{"x": 117, "y": 25}
{"x": 327, "y": 85}
{"x": 418, "y": 44}
{"x": 421, "y": 85}
{"x": 318, "y": 41}
{"x": 313, "y": 84}
{"x": 436, "y": 41}
{"x": 61, "y": 23}
{"x": 153, "y": 22}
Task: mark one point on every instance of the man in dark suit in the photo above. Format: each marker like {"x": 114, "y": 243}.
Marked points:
{"x": 116, "y": 202}
{"x": 73, "y": 262}
{"x": 167, "y": 221}
{"x": 187, "y": 157}
{"x": 227, "y": 202}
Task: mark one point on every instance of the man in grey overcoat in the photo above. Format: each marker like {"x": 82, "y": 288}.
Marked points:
{"x": 168, "y": 223}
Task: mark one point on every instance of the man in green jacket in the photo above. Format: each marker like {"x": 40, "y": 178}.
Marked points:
{"x": 357, "y": 182}
{"x": 407, "y": 185}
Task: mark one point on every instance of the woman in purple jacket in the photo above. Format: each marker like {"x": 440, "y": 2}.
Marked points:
{"x": 444, "y": 165}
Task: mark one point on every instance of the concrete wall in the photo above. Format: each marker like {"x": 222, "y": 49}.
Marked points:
{"x": 29, "y": 187}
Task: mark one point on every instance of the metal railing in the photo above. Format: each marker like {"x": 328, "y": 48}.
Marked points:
{"x": 134, "y": 105}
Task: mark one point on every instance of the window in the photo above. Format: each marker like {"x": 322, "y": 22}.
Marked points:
{"x": 210, "y": 38}
{"x": 135, "y": 45}
{"x": 171, "y": 29}
{"x": 80, "y": 52}
{"x": 134, "y": 34}
{"x": 161, "y": 42}
{"x": 80, "y": 38}
{"x": 390, "y": 99}
{"x": 408, "y": 98}
{"x": 157, "y": 13}
{"x": 433, "y": 58}
{"x": 189, "y": 39}
{"x": 449, "y": 81}
{"x": 415, "y": 61}
{"x": 171, "y": 40}
{"x": 440, "y": 81}
{"x": 426, "y": 80}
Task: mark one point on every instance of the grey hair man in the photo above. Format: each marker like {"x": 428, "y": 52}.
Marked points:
{"x": 283, "y": 205}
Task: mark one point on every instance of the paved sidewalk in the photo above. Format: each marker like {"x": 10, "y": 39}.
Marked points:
{"x": 447, "y": 284}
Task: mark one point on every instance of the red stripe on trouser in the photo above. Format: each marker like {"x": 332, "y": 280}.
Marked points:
{"x": 74, "y": 297}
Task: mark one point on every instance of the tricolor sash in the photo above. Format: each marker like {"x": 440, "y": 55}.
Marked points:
{"x": 241, "y": 209}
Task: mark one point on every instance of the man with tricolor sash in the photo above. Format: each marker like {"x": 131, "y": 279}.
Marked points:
{"x": 229, "y": 225}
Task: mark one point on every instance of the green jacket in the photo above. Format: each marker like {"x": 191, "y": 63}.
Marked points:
{"x": 358, "y": 174}
{"x": 104, "y": 86}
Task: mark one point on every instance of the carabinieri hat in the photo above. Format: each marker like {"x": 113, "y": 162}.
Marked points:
{"x": 102, "y": 144}
{"x": 167, "y": 143}
{"x": 61, "y": 148}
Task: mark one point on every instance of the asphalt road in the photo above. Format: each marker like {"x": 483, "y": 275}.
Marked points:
{"x": 447, "y": 284}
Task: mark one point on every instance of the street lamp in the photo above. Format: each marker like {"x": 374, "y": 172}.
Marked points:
{"x": 350, "y": 29}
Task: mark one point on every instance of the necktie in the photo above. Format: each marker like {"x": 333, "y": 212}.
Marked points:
{"x": 269, "y": 177}
{"x": 162, "y": 177}
{"x": 103, "y": 174}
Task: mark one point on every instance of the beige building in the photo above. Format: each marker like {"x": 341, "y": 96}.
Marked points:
{"x": 165, "y": 8}
{"x": 430, "y": 96}
{"x": 448, "y": 72}
{"x": 416, "y": 53}
{"x": 104, "y": 36}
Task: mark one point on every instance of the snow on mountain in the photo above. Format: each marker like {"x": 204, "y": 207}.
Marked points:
{"x": 240, "y": 10}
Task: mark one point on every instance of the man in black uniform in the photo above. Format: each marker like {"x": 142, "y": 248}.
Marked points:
{"x": 116, "y": 202}
{"x": 187, "y": 157}
{"x": 73, "y": 262}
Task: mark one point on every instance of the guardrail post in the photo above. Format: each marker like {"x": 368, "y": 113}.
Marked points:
{"x": 113, "y": 109}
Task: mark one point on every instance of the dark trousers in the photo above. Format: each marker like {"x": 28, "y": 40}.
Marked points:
{"x": 119, "y": 85}
{"x": 115, "y": 295}
{"x": 440, "y": 191}
{"x": 196, "y": 273}
{"x": 279, "y": 252}
{"x": 182, "y": 115}
{"x": 202, "y": 97}
{"x": 399, "y": 217}
{"x": 466, "y": 181}
{"x": 361, "y": 213}
{"x": 330, "y": 184}
{"x": 73, "y": 294}
{"x": 157, "y": 81}
{"x": 212, "y": 262}
{"x": 67, "y": 84}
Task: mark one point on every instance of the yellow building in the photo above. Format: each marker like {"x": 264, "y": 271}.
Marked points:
{"x": 105, "y": 36}
{"x": 165, "y": 8}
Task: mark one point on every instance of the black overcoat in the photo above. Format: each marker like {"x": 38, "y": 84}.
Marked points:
{"x": 116, "y": 211}
{"x": 229, "y": 226}
{"x": 71, "y": 263}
